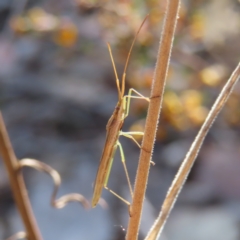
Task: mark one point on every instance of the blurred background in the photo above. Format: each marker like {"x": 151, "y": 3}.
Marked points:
{"x": 57, "y": 92}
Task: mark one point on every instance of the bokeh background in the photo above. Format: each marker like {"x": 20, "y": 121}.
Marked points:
{"x": 57, "y": 91}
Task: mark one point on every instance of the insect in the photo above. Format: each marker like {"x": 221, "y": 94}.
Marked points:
{"x": 113, "y": 128}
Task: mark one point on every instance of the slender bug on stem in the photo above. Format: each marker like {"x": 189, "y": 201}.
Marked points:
{"x": 114, "y": 127}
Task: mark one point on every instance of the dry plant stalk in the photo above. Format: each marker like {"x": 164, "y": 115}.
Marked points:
{"x": 17, "y": 184}
{"x": 153, "y": 116}
{"x": 187, "y": 163}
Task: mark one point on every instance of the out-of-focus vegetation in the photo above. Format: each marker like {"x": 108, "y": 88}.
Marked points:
{"x": 57, "y": 91}
{"x": 196, "y": 56}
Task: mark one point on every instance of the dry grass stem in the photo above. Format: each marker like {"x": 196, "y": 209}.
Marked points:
{"x": 17, "y": 184}
{"x": 152, "y": 117}
{"x": 187, "y": 163}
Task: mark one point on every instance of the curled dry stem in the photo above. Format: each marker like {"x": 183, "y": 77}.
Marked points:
{"x": 156, "y": 96}
{"x": 187, "y": 163}
{"x": 62, "y": 201}
{"x": 13, "y": 167}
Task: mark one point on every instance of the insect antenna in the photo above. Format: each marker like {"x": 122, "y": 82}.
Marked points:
{"x": 115, "y": 72}
{"x": 128, "y": 57}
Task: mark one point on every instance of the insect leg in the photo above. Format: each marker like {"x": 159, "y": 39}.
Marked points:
{"x": 115, "y": 194}
{"x": 109, "y": 169}
{"x": 129, "y": 96}
{"x": 129, "y": 135}
{"x": 125, "y": 167}
{"x": 126, "y": 172}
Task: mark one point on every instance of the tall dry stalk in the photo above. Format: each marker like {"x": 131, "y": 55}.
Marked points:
{"x": 156, "y": 97}
{"x": 188, "y": 162}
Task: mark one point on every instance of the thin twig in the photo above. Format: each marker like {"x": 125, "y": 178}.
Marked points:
{"x": 152, "y": 117}
{"x": 62, "y": 201}
{"x": 17, "y": 184}
{"x": 191, "y": 156}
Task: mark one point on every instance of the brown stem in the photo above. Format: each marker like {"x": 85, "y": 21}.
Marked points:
{"x": 153, "y": 117}
{"x": 17, "y": 184}
{"x": 188, "y": 161}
